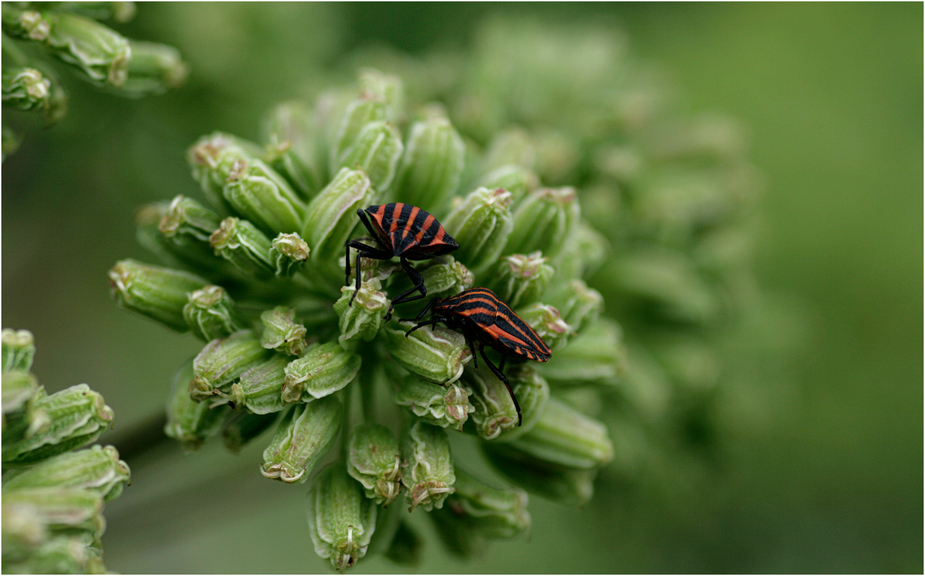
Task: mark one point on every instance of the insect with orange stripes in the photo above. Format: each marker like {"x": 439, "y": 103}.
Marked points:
{"x": 405, "y": 231}
{"x": 487, "y": 321}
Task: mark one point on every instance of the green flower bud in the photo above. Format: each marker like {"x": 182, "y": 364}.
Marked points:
{"x": 100, "y": 52}
{"x": 361, "y": 111}
{"x": 281, "y": 333}
{"x": 25, "y": 24}
{"x": 118, "y": 11}
{"x": 341, "y": 521}
{"x": 77, "y": 416}
{"x": 543, "y": 221}
{"x": 445, "y": 276}
{"x": 258, "y": 193}
{"x": 557, "y": 156}
{"x": 376, "y": 151}
{"x": 20, "y": 417}
{"x": 532, "y": 392}
{"x": 189, "y": 422}
{"x": 433, "y": 163}
{"x": 566, "y": 437}
{"x": 438, "y": 355}
{"x": 494, "y": 411}
{"x": 58, "y": 508}
{"x": 435, "y": 404}
{"x": 292, "y": 150}
{"x": 211, "y": 314}
{"x": 374, "y": 461}
{"x": 322, "y": 370}
{"x": 578, "y": 305}
{"x": 154, "y": 291}
{"x": 288, "y": 253}
{"x": 242, "y": 427}
{"x": 25, "y": 88}
{"x": 387, "y": 87}
{"x": 515, "y": 179}
{"x": 331, "y": 215}
{"x": 548, "y": 325}
{"x": 361, "y": 321}
{"x": 188, "y": 219}
{"x": 260, "y": 388}
{"x": 96, "y": 469}
{"x": 245, "y": 246}
{"x": 222, "y": 361}
{"x": 154, "y": 69}
{"x": 211, "y": 159}
{"x": 429, "y": 476}
{"x": 18, "y": 350}
{"x": 178, "y": 251}
{"x": 512, "y": 146}
{"x": 481, "y": 224}
{"x": 563, "y": 484}
{"x": 60, "y": 555}
{"x": 521, "y": 279}
{"x": 302, "y": 438}
{"x": 597, "y": 356}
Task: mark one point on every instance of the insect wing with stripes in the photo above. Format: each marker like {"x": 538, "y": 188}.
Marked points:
{"x": 405, "y": 231}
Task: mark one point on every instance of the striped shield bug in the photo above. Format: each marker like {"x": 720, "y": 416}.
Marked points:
{"x": 405, "y": 231}
{"x": 487, "y": 321}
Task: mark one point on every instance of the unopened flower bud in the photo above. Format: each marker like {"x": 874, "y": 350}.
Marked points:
{"x": 543, "y": 221}
{"x": 258, "y": 193}
{"x": 597, "y": 356}
{"x": 437, "y": 354}
{"x": 361, "y": 320}
{"x": 25, "y": 24}
{"x": 259, "y": 389}
{"x": 360, "y": 112}
{"x": 281, "y": 332}
{"x": 376, "y": 151}
{"x": 222, "y": 361}
{"x": 76, "y": 417}
{"x": 59, "y": 555}
{"x": 322, "y": 370}
{"x": 435, "y": 404}
{"x": 118, "y": 11}
{"x": 481, "y": 224}
{"x": 96, "y": 469}
{"x": 188, "y": 218}
{"x": 548, "y": 325}
{"x": 288, "y": 253}
{"x": 292, "y": 149}
{"x": 177, "y": 250}
{"x": 532, "y": 392}
{"x": 21, "y": 419}
{"x": 157, "y": 292}
{"x": 493, "y": 409}
{"x": 433, "y": 163}
{"x": 563, "y": 484}
{"x": 245, "y": 246}
{"x": 446, "y": 276}
{"x": 189, "y": 422}
{"x": 100, "y": 52}
{"x": 512, "y": 146}
{"x": 25, "y": 88}
{"x": 242, "y": 427}
{"x": 332, "y": 214}
{"x": 516, "y": 180}
{"x": 429, "y": 476}
{"x": 340, "y": 519}
{"x": 577, "y": 304}
{"x": 59, "y": 508}
{"x": 154, "y": 69}
{"x": 211, "y": 314}
{"x": 522, "y": 278}
{"x": 18, "y": 350}
{"x": 387, "y": 87}
{"x": 302, "y": 438}
{"x": 211, "y": 160}
{"x": 374, "y": 461}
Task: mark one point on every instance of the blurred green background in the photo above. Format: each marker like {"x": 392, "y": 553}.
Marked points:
{"x": 829, "y": 479}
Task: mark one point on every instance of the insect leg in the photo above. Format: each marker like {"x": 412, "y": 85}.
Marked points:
{"x": 503, "y": 378}
{"x": 418, "y": 285}
{"x": 362, "y": 250}
{"x": 430, "y": 322}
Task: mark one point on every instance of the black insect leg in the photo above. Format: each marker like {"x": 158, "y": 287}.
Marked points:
{"x": 362, "y": 250}
{"x": 503, "y": 378}
{"x": 418, "y": 280}
{"x": 430, "y": 322}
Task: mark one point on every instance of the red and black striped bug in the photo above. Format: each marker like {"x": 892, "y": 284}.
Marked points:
{"x": 486, "y": 320}
{"x": 405, "y": 231}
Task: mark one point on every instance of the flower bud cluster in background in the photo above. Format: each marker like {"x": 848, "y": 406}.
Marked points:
{"x": 77, "y": 34}
{"x": 53, "y": 492}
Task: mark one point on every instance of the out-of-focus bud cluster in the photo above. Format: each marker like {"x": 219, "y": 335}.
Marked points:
{"x": 560, "y": 200}
{"x": 75, "y": 34}
{"x": 53, "y": 491}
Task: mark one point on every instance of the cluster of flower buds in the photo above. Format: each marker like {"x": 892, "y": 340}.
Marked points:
{"x": 53, "y": 492}
{"x": 310, "y": 356}
{"x": 74, "y": 33}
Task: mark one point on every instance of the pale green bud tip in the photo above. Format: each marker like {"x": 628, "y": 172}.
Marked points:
{"x": 376, "y": 151}
{"x": 260, "y": 388}
{"x": 544, "y": 221}
{"x": 258, "y": 193}
{"x": 437, "y": 405}
{"x": 446, "y": 276}
{"x": 374, "y": 461}
{"x": 154, "y": 69}
{"x": 437, "y": 354}
{"x": 190, "y": 422}
{"x": 288, "y": 252}
{"x": 481, "y": 223}
{"x": 522, "y": 278}
{"x": 59, "y": 508}
{"x": 18, "y": 349}
{"x": 25, "y": 88}
{"x": 387, "y": 87}
{"x": 548, "y": 325}
{"x": 97, "y": 469}
{"x": 321, "y": 371}
{"x": 494, "y": 410}
{"x": 19, "y": 387}
{"x": 303, "y": 437}
{"x": 360, "y": 312}
{"x": 281, "y": 332}
{"x": 430, "y": 475}
{"x": 185, "y": 216}
{"x": 100, "y": 52}
{"x": 157, "y": 292}
{"x": 25, "y": 24}
{"x": 244, "y": 245}
{"x": 578, "y": 304}
{"x": 224, "y": 360}
{"x": 211, "y": 313}
{"x": 340, "y": 519}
